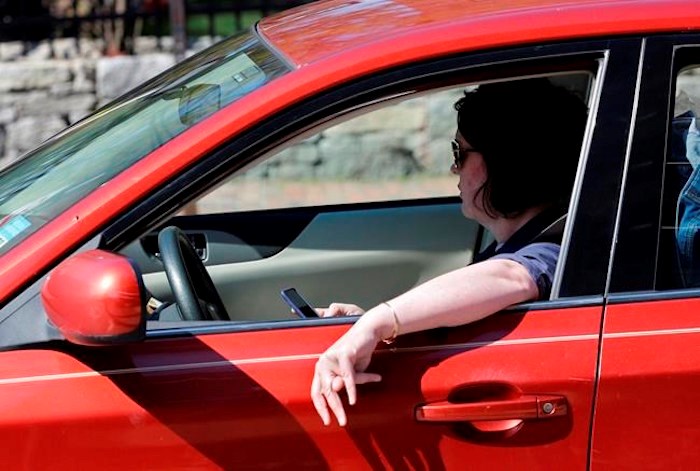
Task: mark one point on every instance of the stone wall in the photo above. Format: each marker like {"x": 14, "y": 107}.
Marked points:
{"x": 404, "y": 140}
{"x": 393, "y": 153}
{"x": 43, "y": 91}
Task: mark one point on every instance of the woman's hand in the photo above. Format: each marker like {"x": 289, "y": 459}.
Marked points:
{"x": 343, "y": 365}
{"x": 340, "y": 309}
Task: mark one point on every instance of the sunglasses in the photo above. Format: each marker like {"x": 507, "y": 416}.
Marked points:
{"x": 460, "y": 155}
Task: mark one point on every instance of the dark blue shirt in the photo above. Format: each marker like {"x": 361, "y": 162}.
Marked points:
{"x": 535, "y": 246}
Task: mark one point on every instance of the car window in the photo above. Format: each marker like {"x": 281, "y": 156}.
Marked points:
{"x": 69, "y": 166}
{"x": 679, "y": 242}
{"x": 397, "y": 152}
{"x": 400, "y": 151}
{"x": 321, "y": 243}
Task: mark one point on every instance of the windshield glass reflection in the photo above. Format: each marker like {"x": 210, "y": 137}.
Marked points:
{"x": 72, "y": 164}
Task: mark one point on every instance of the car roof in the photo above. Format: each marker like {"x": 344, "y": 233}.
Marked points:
{"x": 318, "y": 30}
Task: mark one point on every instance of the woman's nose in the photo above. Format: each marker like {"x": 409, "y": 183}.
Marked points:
{"x": 453, "y": 169}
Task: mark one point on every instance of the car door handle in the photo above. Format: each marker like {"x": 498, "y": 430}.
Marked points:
{"x": 523, "y": 407}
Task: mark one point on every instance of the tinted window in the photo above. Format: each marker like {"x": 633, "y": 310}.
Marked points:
{"x": 679, "y": 246}
{"x": 400, "y": 151}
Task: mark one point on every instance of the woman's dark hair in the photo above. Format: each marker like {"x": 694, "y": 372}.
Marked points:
{"x": 529, "y": 133}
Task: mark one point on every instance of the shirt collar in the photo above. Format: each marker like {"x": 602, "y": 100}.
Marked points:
{"x": 531, "y": 230}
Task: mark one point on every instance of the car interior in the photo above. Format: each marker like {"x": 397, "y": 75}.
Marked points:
{"x": 358, "y": 209}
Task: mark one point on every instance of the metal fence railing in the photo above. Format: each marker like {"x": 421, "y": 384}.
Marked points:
{"x": 119, "y": 22}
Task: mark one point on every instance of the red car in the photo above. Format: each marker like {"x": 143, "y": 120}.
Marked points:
{"x": 120, "y": 350}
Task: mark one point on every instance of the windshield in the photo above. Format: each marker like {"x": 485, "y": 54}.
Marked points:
{"x": 72, "y": 164}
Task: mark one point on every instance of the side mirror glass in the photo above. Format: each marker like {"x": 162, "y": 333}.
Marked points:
{"x": 96, "y": 298}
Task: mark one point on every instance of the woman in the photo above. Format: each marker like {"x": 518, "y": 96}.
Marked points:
{"x": 515, "y": 152}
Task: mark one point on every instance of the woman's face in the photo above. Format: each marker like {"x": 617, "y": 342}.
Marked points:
{"x": 472, "y": 175}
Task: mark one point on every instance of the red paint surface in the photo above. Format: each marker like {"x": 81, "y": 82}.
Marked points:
{"x": 324, "y": 29}
{"x": 647, "y": 415}
{"x": 241, "y": 401}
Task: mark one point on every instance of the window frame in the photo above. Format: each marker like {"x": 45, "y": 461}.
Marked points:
{"x": 633, "y": 277}
{"x": 616, "y": 54}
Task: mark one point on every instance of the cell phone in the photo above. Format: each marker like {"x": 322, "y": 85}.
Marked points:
{"x": 298, "y": 304}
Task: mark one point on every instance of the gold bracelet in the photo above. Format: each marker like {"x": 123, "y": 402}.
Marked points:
{"x": 395, "y": 331}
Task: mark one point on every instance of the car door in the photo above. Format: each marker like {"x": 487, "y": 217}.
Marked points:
{"x": 515, "y": 390}
{"x": 645, "y": 414}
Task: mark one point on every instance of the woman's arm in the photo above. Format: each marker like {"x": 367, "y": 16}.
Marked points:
{"x": 459, "y": 297}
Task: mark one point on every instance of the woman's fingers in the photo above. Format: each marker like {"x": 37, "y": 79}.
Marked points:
{"x": 342, "y": 366}
{"x": 336, "y": 373}
{"x": 332, "y": 375}
{"x": 347, "y": 373}
{"x": 340, "y": 309}
{"x": 336, "y": 406}
{"x": 364, "y": 378}
{"x": 325, "y": 387}
{"x": 319, "y": 401}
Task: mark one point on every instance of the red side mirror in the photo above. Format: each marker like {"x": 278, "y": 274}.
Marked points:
{"x": 96, "y": 298}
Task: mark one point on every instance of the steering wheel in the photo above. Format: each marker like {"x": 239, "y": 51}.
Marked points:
{"x": 193, "y": 288}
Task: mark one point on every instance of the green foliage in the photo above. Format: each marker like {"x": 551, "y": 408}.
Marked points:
{"x": 225, "y": 24}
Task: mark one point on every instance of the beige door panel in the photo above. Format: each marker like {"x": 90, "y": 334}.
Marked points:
{"x": 361, "y": 257}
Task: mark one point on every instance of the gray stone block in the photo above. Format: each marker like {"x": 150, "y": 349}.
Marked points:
{"x": 17, "y": 100}
{"x": 39, "y": 52}
{"x": 27, "y": 133}
{"x": 66, "y": 48}
{"x": 40, "y": 103}
{"x": 146, "y": 45}
{"x": 305, "y": 153}
{"x": 11, "y": 51}
{"x": 60, "y": 89}
{"x": 83, "y": 72}
{"x": 90, "y": 48}
{"x": 407, "y": 117}
{"x": 440, "y": 157}
{"x": 374, "y": 156}
{"x": 167, "y": 44}
{"x": 442, "y": 117}
{"x": 33, "y": 75}
{"x": 7, "y": 115}
{"x": 117, "y": 75}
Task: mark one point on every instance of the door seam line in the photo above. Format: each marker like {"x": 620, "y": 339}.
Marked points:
{"x": 611, "y": 259}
